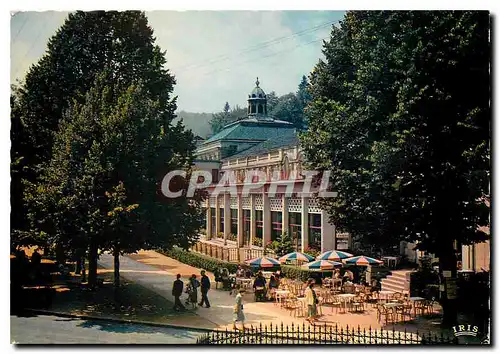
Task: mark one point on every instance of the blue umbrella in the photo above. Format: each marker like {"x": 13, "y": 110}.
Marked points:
{"x": 296, "y": 256}
{"x": 322, "y": 265}
{"x": 263, "y": 262}
{"x": 333, "y": 255}
{"x": 362, "y": 261}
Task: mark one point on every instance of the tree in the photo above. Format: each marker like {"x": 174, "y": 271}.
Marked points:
{"x": 407, "y": 142}
{"x": 303, "y": 96}
{"x": 272, "y": 100}
{"x": 227, "y": 116}
{"x": 284, "y": 245}
{"x": 85, "y": 45}
{"x": 220, "y": 119}
{"x": 102, "y": 99}
{"x": 289, "y": 109}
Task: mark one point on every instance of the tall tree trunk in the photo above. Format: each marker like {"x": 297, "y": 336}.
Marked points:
{"x": 93, "y": 264}
{"x": 116, "y": 254}
{"x": 78, "y": 265}
{"x": 84, "y": 270}
{"x": 448, "y": 268}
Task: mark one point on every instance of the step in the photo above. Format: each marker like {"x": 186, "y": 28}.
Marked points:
{"x": 404, "y": 276}
{"x": 397, "y": 280}
{"x": 395, "y": 285}
{"x": 393, "y": 288}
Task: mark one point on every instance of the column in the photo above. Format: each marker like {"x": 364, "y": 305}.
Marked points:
{"x": 217, "y": 216}
{"x": 305, "y": 223}
{"x": 241, "y": 225}
{"x": 266, "y": 218}
{"x": 227, "y": 215}
{"x": 209, "y": 220}
{"x": 253, "y": 228}
{"x": 327, "y": 233}
{"x": 284, "y": 211}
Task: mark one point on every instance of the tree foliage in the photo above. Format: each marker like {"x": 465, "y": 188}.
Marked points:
{"x": 92, "y": 126}
{"x": 395, "y": 120}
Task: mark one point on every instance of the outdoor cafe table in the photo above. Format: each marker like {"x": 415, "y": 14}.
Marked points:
{"x": 346, "y": 298}
{"x": 244, "y": 282}
{"x": 385, "y": 294}
{"x": 415, "y": 299}
{"x": 280, "y": 295}
{"x": 391, "y": 260}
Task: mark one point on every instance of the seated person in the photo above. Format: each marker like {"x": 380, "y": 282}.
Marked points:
{"x": 273, "y": 285}
{"x": 259, "y": 286}
{"x": 248, "y": 273}
{"x": 240, "y": 272}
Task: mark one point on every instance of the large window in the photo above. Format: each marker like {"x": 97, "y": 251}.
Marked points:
{"x": 214, "y": 221}
{"x": 276, "y": 225}
{"x": 295, "y": 228}
{"x": 259, "y": 227}
{"x": 204, "y": 217}
{"x": 246, "y": 227}
{"x": 234, "y": 221}
{"x": 315, "y": 231}
{"x": 221, "y": 228}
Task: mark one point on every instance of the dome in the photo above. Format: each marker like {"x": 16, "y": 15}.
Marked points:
{"x": 257, "y": 92}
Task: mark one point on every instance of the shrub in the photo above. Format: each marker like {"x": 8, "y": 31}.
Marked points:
{"x": 257, "y": 241}
{"x": 313, "y": 252}
{"x": 295, "y": 272}
{"x": 231, "y": 237}
{"x": 199, "y": 261}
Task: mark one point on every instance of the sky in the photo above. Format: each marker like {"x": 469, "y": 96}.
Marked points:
{"x": 214, "y": 55}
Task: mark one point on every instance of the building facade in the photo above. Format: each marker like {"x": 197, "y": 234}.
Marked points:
{"x": 279, "y": 204}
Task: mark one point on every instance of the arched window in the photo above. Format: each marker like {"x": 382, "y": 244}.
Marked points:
{"x": 253, "y": 95}
{"x": 261, "y": 109}
{"x": 249, "y": 109}
{"x": 253, "y": 108}
{"x": 260, "y": 95}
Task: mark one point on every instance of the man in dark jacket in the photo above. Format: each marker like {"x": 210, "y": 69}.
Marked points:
{"x": 177, "y": 292}
{"x": 205, "y": 286}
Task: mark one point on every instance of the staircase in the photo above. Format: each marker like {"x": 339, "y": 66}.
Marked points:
{"x": 398, "y": 281}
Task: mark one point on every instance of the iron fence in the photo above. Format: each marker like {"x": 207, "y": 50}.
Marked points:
{"x": 321, "y": 334}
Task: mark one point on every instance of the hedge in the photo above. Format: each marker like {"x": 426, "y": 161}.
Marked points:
{"x": 292, "y": 272}
{"x": 199, "y": 261}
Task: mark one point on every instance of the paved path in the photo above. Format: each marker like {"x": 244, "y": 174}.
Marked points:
{"x": 157, "y": 273}
{"x": 58, "y": 330}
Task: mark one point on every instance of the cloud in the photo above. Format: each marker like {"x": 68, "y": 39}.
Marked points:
{"x": 30, "y": 32}
{"x": 214, "y": 55}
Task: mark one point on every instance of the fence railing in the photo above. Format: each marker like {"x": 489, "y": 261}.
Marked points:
{"x": 225, "y": 253}
{"x": 229, "y": 253}
{"x": 320, "y": 334}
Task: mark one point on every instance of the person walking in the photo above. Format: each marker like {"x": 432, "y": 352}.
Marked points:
{"x": 311, "y": 301}
{"x": 205, "y": 286}
{"x": 177, "y": 288}
{"x": 238, "y": 310}
{"x": 194, "y": 284}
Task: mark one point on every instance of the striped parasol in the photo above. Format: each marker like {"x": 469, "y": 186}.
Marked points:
{"x": 296, "y": 256}
{"x": 362, "y": 261}
{"x": 333, "y": 255}
{"x": 263, "y": 262}
{"x": 321, "y": 265}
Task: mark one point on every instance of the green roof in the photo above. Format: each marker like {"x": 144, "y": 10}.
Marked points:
{"x": 252, "y": 129}
{"x": 287, "y": 138}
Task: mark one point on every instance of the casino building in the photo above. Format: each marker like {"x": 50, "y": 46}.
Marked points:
{"x": 258, "y": 142}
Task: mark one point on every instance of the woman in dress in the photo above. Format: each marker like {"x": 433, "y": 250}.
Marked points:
{"x": 311, "y": 301}
{"x": 238, "y": 310}
{"x": 193, "y": 291}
